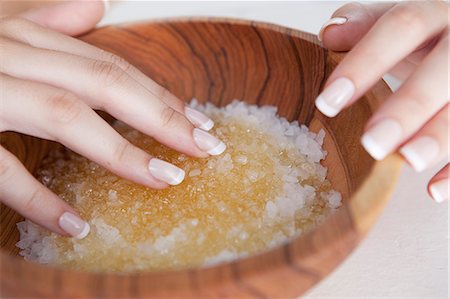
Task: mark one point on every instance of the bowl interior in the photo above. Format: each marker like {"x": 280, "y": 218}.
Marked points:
{"x": 221, "y": 60}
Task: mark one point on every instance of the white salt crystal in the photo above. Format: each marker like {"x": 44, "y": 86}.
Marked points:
{"x": 194, "y": 222}
{"x": 109, "y": 234}
{"x": 166, "y": 243}
{"x": 320, "y": 136}
{"x": 252, "y": 175}
{"x": 241, "y": 159}
{"x": 211, "y": 164}
{"x": 112, "y": 195}
{"x": 271, "y": 209}
{"x": 290, "y": 178}
{"x": 223, "y": 256}
{"x": 201, "y": 238}
{"x": 289, "y": 131}
{"x": 333, "y": 198}
{"x": 221, "y": 206}
{"x": 243, "y": 235}
{"x": 195, "y": 172}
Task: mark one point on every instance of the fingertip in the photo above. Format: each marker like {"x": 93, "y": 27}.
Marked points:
{"x": 219, "y": 149}
{"x": 74, "y": 225}
{"x": 339, "y": 35}
{"x": 330, "y": 23}
{"x": 208, "y": 142}
{"x": 83, "y": 234}
{"x": 343, "y": 37}
{"x": 166, "y": 172}
{"x": 439, "y": 185}
{"x": 335, "y": 39}
{"x": 71, "y": 18}
{"x": 198, "y": 119}
{"x": 439, "y": 191}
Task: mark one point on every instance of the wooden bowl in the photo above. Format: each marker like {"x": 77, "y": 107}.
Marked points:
{"x": 219, "y": 60}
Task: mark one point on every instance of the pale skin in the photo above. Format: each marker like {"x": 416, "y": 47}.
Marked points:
{"x": 51, "y": 82}
{"x": 409, "y": 40}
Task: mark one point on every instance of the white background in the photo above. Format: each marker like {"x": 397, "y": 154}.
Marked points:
{"x": 406, "y": 253}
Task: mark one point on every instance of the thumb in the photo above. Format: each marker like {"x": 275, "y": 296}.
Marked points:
{"x": 70, "y": 17}
{"x": 350, "y": 23}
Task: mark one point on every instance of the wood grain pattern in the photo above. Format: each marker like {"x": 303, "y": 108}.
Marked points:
{"x": 219, "y": 60}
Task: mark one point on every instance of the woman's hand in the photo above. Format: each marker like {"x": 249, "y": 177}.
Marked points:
{"x": 411, "y": 41}
{"x": 51, "y": 83}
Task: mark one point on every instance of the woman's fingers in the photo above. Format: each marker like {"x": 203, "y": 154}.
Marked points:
{"x": 40, "y": 37}
{"x": 47, "y": 112}
{"x": 68, "y": 17}
{"x": 23, "y": 193}
{"x": 439, "y": 185}
{"x": 409, "y": 109}
{"x": 380, "y": 50}
{"x": 106, "y": 86}
{"x": 348, "y": 25}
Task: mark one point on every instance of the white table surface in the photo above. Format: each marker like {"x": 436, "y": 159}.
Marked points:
{"x": 406, "y": 253}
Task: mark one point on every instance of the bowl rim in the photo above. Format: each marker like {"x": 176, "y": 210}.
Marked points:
{"x": 361, "y": 209}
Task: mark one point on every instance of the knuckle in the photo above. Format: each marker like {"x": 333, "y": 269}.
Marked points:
{"x": 107, "y": 73}
{"x": 14, "y": 26}
{"x": 33, "y": 202}
{"x": 163, "y": 94}
{"x": 168, "y": 117}
{"x": 64, "y": 107}
{"x": 417, "y": 103}
{"x": 117, "y": 60}
{"x": 410, "y": 16}
{"x": 122, "y": 151}
{"x": 7, "y": 170}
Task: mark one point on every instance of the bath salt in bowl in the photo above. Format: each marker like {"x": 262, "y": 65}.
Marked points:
{"x": 254, "y": 243}
{"x": 265, "y": 189}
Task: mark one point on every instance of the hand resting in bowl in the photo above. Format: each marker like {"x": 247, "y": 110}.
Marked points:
{"x": 52, "y": 82}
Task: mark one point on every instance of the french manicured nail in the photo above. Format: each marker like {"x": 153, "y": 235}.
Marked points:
{"x": 421, "y": 152}
{"x": 166, "y": 172}
{"x": 382, "y": 138}
{"x": 198, "y": 119}
{"x": 208, "y": 142}
{"x": 440, "y": 190}
{"x": 74, "y": 225}
{"x": 332, "y": 21}
{"x": 335, "y": 96}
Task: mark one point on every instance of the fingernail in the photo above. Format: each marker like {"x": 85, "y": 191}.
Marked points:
{"x": 382, "y": 138}
{"x": 106, "y": 5}
{"x": 208, "y": 142}
{"x": 335, "y": 96}
{"x": 421, "y": 152}
{"x": 332, "y": 21}
{"x": 440, "y": 190}
{"x": 166, "y": 172}
{"x": 198, "y": 119}
{"x": 74, "y": 225}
